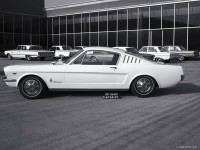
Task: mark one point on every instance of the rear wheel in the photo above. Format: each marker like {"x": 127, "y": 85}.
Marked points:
{"x": 143, "y": 86}
{"x": 29, "y": 58}
{"x": 181, "y": 58}
{"x": 159, "y": 60}
{"x": 32, "y": 87}
{"x": 10, "y": 57}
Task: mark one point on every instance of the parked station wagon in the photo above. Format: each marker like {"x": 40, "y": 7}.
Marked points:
{"x": 112, "y": 69}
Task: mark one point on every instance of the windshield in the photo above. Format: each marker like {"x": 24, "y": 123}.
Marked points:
{"x": 66, "y": 48}
{"x": 161, "y": 49}
{"x": 182, "y": 48}
{"x": 71, "y": 58}
{"x": 18, "y": 48}
{"x": 132, "y": 50}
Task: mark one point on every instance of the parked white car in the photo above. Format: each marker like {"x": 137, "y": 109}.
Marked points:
{"x": 116, "y": 70}
{"x": 136, "y": 52}
{"x": 160, "y": 53}
{"x": 28, "y": 52}
{"x": 65, "y": 51}
{"x": 185, "y": 54}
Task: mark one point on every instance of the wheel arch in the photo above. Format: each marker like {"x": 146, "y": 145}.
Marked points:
{"x": 29, "y": 75}
{"x": 140, "y": 75}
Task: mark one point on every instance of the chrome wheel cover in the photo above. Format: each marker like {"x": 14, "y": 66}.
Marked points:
{"x": 32, "y": 87}
{"x": 144, "y": 85}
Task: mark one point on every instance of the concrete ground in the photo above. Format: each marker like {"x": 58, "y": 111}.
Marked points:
{"x": 84, "y": 120}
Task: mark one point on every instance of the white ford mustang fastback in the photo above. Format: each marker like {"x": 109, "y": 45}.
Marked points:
{"x": 94, "y": 68}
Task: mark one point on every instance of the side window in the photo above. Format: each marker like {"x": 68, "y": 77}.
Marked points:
{"x": 52, "y": 49}
{"x": 23, "y": 47}
{"x": 57, "y": 48}
{"x": 144, "y": 49}
{"x": 151, "y": 49}
{"x": 98, "y": 58}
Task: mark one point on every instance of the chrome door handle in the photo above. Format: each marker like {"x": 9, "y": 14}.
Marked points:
{"x": 113, "y": 67}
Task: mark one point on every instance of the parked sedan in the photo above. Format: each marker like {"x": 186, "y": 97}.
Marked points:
{"x": 116, "y": 70}
{"x": 28, "y": 52}
{"x": 160, "y": 53}
{"x": 62, "y": 50}
{"x": 185, "y": 54}
{"x": 134, "y": 50}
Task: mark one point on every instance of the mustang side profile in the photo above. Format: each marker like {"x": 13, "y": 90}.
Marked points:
{"x": 94, "y": 68}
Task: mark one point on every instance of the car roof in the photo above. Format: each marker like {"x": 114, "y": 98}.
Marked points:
{"x": 104, "y": 49}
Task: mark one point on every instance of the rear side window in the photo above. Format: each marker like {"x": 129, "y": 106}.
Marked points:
{"x": 151, "y": 49}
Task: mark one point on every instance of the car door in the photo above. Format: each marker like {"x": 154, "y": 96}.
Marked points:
{"x": 23, "y": 52}
{"x": 16, "y": 53}
{"x": 94, "y": 70}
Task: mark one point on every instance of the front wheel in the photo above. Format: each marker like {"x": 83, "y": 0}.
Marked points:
{"x": 159, "y": 60}
{"x": 181, "y": 58}
{"x": 143, "y": 86}
{"x": 10, "y": 57}
{"x": 32, "y": 87}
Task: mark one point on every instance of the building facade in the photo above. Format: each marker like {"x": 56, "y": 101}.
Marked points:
{"x": 106, "y": 23}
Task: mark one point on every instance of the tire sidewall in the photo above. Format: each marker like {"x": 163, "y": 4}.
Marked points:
{"x": 40, "y": 81}
{"x": 135, "y": 91}
{"x": 10, "y": 57}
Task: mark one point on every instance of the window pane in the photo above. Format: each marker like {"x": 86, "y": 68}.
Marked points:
{"x": 143, "y": 38}
{"x": 132, "y": 39}
{"x": 70, "y": 25}
{"x": 103, "y": 39}
{"x": 181, "y": 15}
{"x": 155, "y": 17}
{"x": 50, "y": 41}
{"x": 56, "y": 25}
{"x": 56, "y": 40}
{"x": 103, "y": 21}
{"x": 85, "y": 39}
{"x": 132, "y": 19}
{"x": 85, "y": 23}
{"x": 43, "y": 41}
{"x": 70, "y": 40}
{"x": 35, "y": 25}
{"x": 157, "y": 37}
{"x": 1, "y": 22}
{"x": 63, "y": 39}
{"x": 122, "y": 19}
{"x": 94, "y": 39}
{"x": 122, "y": 36}
{"x": 50, "y": 25}
{"x": 94, "y": 22}
{"x": 112, "y": 20}
{"x": 43, "y": 26}
{"x": 35, "y": 39}
{"x": 111, "y": 39}
{"x": 144, "y": 18}
{"x": 168, "y": 16}
{"x": 77, "y": 21}
{"x": 1, "y": 40}
{"x": 63, "y": 24}
{"x": 77, "y": 39}
{"x": 167, "y": 37}
{"x": 181, "y": 37}
{"x": 18, "y": 39}
{"x": 8, "y": 41}
{"x": 17, "y": 24}
{"x": 26, "y": 39}
{"x": 194, "y": 43}
{"x": 194, "y": 14}
{"x": 8, "y": 23}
